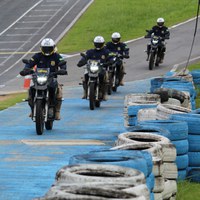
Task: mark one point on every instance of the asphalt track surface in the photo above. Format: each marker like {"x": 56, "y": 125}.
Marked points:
{"x": 48, "y": 18}
{"x": 22, "y": 31}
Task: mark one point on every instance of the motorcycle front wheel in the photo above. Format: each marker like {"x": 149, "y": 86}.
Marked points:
{"x": 39, "y": 118}
{"x": 151, "y": 61}
{"x": 49, "y": 125}
{"x": 92, "y": 96}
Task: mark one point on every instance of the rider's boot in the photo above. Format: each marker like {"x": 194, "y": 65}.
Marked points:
{"x": 84, "y": 90}
{"x": 162, "y": 57}
{"x": 84, "y": 94}
{"x": 30, "y": 102}
{"x": 103, "y": 92}
{"x": 59, "y": 96}
{"x": 58, "y": 106}
{"x": 122, "y": 72}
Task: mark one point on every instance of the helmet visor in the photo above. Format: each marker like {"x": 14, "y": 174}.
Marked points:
{"x": 160, "y": 23}
{"x": 98, "y": 45}
{"x": 115, "y": 40}
{"x": 47, "y": 50}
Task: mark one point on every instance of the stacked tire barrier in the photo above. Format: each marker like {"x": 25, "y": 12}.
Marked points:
{"x": 135, "y": 102}
{"x": 193, "y": 121}
{"x": 138, "y": 160}
{"x": 97, "y": 182}
{"x": 164, "y": 167}
{"x": 179, "y": 137}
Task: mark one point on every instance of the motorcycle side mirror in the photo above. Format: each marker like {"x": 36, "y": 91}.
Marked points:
{"x": 63, "y": 62}
{"x": 25, "y": 61}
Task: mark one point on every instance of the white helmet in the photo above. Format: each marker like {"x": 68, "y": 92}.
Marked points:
{"x": 116, "y": 37}
{"x": 47, "y": 46}
{"x": 99, "y": 42}
{"x": 160, "y": 22}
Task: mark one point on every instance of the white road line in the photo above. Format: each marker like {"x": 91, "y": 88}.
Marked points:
{"x": 8, "y": 49}
{"x": 40, "y": 39}
{"x": 39, "y": 15}
{"x": 2, "y": 42}
{"x": 20, "y": 17}
{"x": 45, "y": 10}
{"x": 20, "y": 34}
{"x": 53, "y": 5}
{"x": 24, "y": 28}
{"x": 28, "y": 22}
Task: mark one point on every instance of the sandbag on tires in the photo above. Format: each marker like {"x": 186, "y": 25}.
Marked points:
{"x": 172, "y": 93}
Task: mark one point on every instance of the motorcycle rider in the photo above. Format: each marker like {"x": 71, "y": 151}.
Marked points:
{"x": 47, "y": 58}
{"x": 117, "y": 47}
{"x": 99, "y": 52}
{"x": 161, "y": 31}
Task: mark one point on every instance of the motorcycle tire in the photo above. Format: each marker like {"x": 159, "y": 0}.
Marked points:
{"x": 109, "y": 90}
{"x": 49, "y": 125}
{"x": 97, "y": 104}
{"x": 92, "y": 96}
{"x": 151, "y": 61}
{"x": 39, "y": 118}
{"x": 114, "y": 89}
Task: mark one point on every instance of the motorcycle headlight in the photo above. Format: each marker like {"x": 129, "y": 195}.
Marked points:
{"x": 42, "y": 80}
{"x": 154, "y": 41}
{"x": 94, "y": 68}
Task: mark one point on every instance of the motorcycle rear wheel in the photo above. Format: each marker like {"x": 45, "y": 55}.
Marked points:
{"x": 92, "y": 96}
{"x": 151, "y": 61}
{"x": 39, "y": 118}
{"x": 49, "y": 125}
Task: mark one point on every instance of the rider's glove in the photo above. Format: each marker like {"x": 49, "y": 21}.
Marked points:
{"x": 62, "y": 72}
{"x": 23, "y": 73}
{"x": 81, "y": 63}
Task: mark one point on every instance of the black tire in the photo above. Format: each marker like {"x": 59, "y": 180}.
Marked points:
{"x": 97, "y": 104}
{"x": 114, "y": 89}
{"x": 39, "y": 118}
{"x": 49, "y": 125}
{"x": 151, "y": 61}
{"x": 109, "y": 89}
{"x": 92, "y": 96}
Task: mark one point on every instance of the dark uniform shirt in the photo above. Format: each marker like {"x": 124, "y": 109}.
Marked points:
{"x": 120, "y": 48}
{"x": 162, "y": 32}
{"x": 103, "y": 55}
{"x": 42, "y": 61}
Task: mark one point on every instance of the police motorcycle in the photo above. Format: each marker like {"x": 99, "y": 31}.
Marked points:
{"x": 113, "y": 74}
{"x": 93, "y": 93}
{"x": 154, "y": 50}
{"x": 43, "y": 112}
